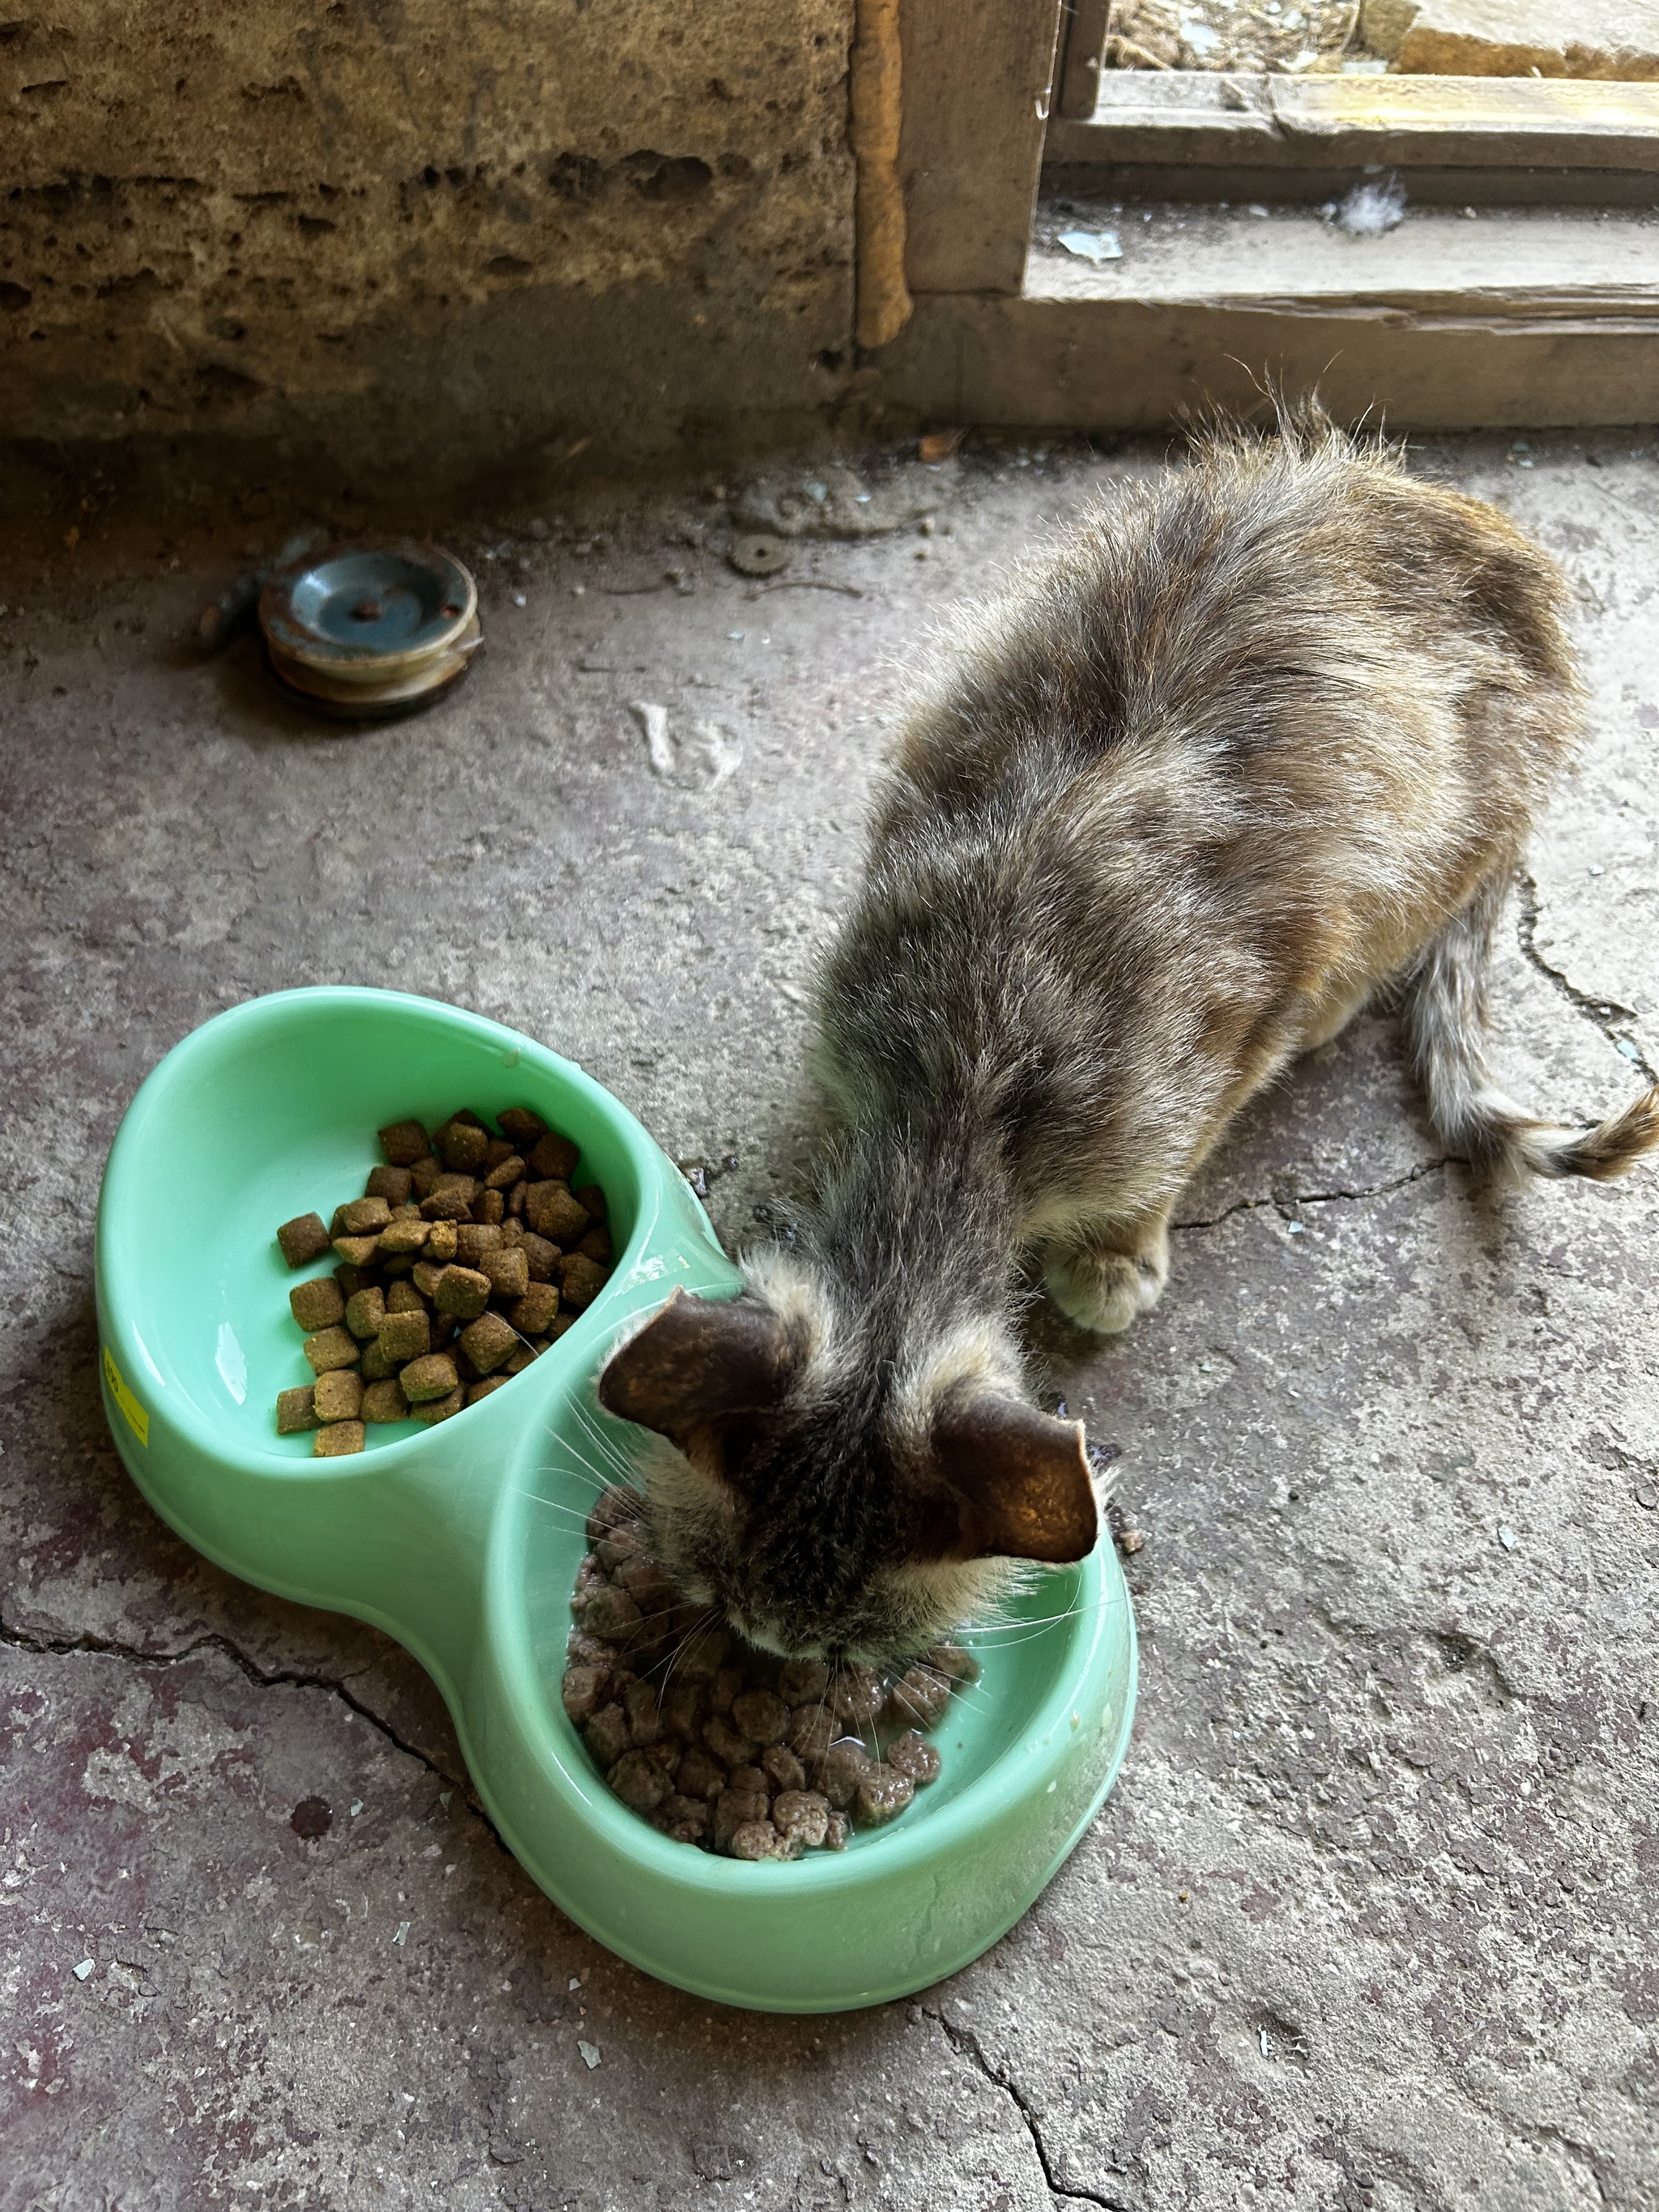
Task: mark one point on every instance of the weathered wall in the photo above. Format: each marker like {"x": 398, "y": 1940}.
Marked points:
{"x": 425, "y": 225}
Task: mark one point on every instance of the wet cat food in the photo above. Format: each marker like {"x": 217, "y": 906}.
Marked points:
{"x": 724, "y": 1746}
{"x": 442, "y": 1289}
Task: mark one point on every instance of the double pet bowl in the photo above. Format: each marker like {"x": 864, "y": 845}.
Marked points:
{"x": 463, "y": 1541}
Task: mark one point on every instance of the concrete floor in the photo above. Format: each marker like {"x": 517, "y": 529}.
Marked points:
{"x": 1369, "y": 1922}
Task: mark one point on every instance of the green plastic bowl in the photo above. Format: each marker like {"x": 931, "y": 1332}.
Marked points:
{"x": 462, "y": 1540}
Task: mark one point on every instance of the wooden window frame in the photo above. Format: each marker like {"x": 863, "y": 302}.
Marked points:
{"x": 984, "y": 344}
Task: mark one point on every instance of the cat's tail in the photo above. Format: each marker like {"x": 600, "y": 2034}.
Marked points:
{"x": 1445, "y": 1013}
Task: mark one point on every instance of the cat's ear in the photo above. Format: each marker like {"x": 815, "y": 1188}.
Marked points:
{"x": 696, "y": 1359}
{"x": 1019, "y": 1480}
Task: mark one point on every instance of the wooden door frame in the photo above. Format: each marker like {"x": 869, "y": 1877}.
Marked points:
{"x": 983, "y": 345}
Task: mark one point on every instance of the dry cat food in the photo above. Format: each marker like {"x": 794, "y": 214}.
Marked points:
{"x": 467, "y": 1254}
{"x": 727, "y": 1748}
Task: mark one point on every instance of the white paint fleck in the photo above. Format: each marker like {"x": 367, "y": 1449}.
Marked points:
{"x": 1507, "y": 1537}
{"x": 590, "y": 2052}
{"x": 402, "y": 1935}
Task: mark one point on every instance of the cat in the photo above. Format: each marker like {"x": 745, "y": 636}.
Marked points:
{"x": 1255, "y": 743}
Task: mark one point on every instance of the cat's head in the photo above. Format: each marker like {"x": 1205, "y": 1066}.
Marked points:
{"x": 830, "y": 1501}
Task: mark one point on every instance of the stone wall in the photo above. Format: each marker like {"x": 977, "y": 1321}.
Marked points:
{"x": 404, "y": 226}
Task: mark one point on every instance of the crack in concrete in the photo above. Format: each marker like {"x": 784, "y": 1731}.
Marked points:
{"x": 1287, "y": 1211}
{"x": 1603, "y": 1014}
{"x": 966, "y": 2045}
{"x": 107, "y": 1648}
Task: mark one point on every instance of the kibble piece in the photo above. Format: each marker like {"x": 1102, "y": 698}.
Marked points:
{"x": 526, "y": 1356}
{"x": 553, "y": 1157}
{"x": 365, "y": 1312}
{"x": 337, "y": 1439}
{"x": 608, "y": 1612}
{"x": 376, "y": 1367}
{"x": 856, "y": 1694}
{"x": 462, "y": 1145}
{"x": 606, "y": 1734}
{"x": 618, "y": 1504}
{"x": 445, "y": 1329}
{"x": 400, "y": 1238}
{"x": 919, "y": 1699}
{"x": 681, "y": 1820}
{"x": 726, "y": 1686}
{"x": 837, "y": 1830}
{"x": 581, "y": 1279}
{"x": 759, "y": 1715}
{"x": 385, "y": 1402}
{"x": 592, "y": 1198}
{"x": 462, "y": 1292}
{"x": 489, "y": 1208}
{"x": 406, "y": 1335}
{"x": 403, "y": 1143}
{"x": 881, "y": 1796}
{"x": 618, "y": 1545}
{"x": 555, "y": 1212}
{"x": 434, "y": 1410}
{"x": 840, "y": 1771}
{"x": 352, "y": 1279}
{"x": 803, "y": 1810}
{"x": 331, "y": 1348}
{"x": 700, "y": 1776}
{"x": 748, "y": 1778}
{"x": 365, "y": 1217}
{"x": 755, "y": 1839}
{"x": 585, "y": 1651}
{"x": 509, "y": 1276}
{"x": 540, "y": 1256}
{"x": 452, "y": 1200}
{"x": 393, "y": 1184}
{"x": 339, "y": 1396}
{"x": 423, "y": 1175}
{"x": 681, "y": 1709}
{"x": 698, "y": 1659}
{"x": 305, "y": 1238}
{"x": 803, "y": 1681}
{"x": 524, "y": 1127}
{"x": 596, "y": 1245}
{"x": 731, "y": 1748}
{"x": 953, "y": 1659}
{"x": 357, "y": 1251}
{"x": 639, "y": 1703}
{"x": 515, "y": 1202}
{"x": 733, "y": 1809}
{"x": 913, "y": 1756}
{"x": 783, "y": 1770}
{"x": 404, "y": 1297}
{"x": 442, "y": 1242}
{"x": 649, "y": 1583}
{"x": 472, "y": 1240}
{"x": 488, "y": 1342}
{"x": 477, "y": 1392}
{"x": 582, "y": 1691}
{"x": 295, "y": 1411}
{"x": 812, "y": 1732}
{"x": 318, "y": 1304}
{"x": 426, "y": 1380}
{"x": 505, "y": 1173}
{"x": 534, "y": 1313}
{"x": 638, "y": 1783}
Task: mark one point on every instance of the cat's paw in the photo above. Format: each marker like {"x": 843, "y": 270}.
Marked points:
{"x": 1105, "y": 1290}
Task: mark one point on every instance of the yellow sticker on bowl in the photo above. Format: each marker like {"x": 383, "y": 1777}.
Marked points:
{"x": 137, "y": 1419}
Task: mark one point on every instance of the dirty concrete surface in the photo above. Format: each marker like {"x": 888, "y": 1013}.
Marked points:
{"x": 1369, "y": 1921}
